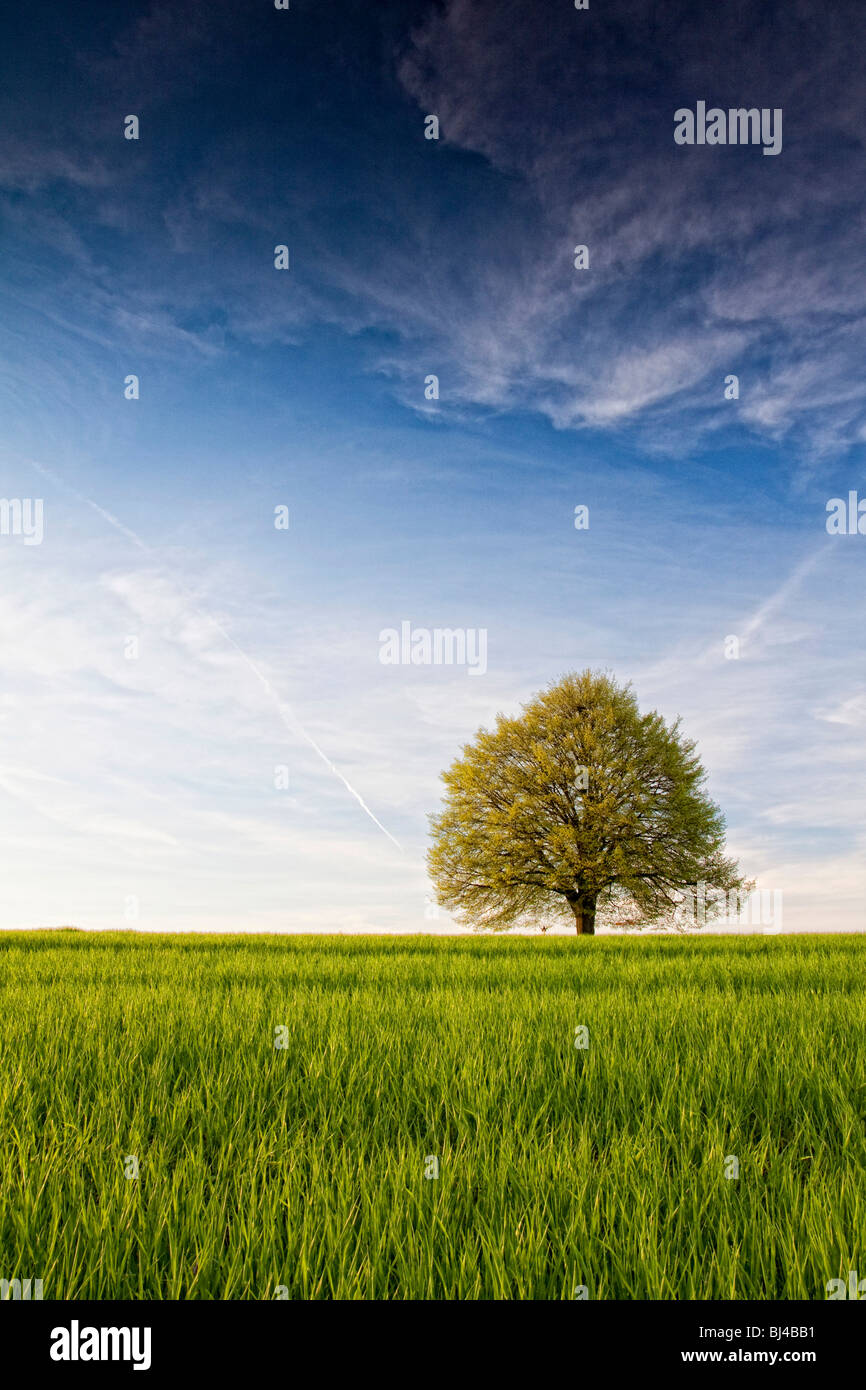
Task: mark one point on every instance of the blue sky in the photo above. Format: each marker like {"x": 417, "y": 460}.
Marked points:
{"x": 141, "y": 791}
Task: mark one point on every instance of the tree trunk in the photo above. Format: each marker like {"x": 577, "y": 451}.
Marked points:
{"x": 583, "y": 907}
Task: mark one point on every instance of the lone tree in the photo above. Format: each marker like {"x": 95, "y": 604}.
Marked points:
{"x": 579, "y": 802}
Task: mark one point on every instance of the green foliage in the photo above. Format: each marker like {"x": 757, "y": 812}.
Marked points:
{"x": 304, "y": 1167}
{"x": 520, "y": 842}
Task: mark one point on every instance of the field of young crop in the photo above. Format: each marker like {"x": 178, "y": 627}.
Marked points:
{"x": 306, "y": 1170}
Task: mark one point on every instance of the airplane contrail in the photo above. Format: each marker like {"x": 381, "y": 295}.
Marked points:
{"x": 789, "y": 585}
{"x": 285, "y": 712}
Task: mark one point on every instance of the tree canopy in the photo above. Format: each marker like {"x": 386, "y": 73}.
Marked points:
{"x": 578, "y": 803}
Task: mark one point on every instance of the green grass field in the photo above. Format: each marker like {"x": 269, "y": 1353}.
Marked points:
{"x": 304, "y": 1166}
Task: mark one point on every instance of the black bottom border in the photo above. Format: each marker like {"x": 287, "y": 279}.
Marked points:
{"x": 280, "y": 1338}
